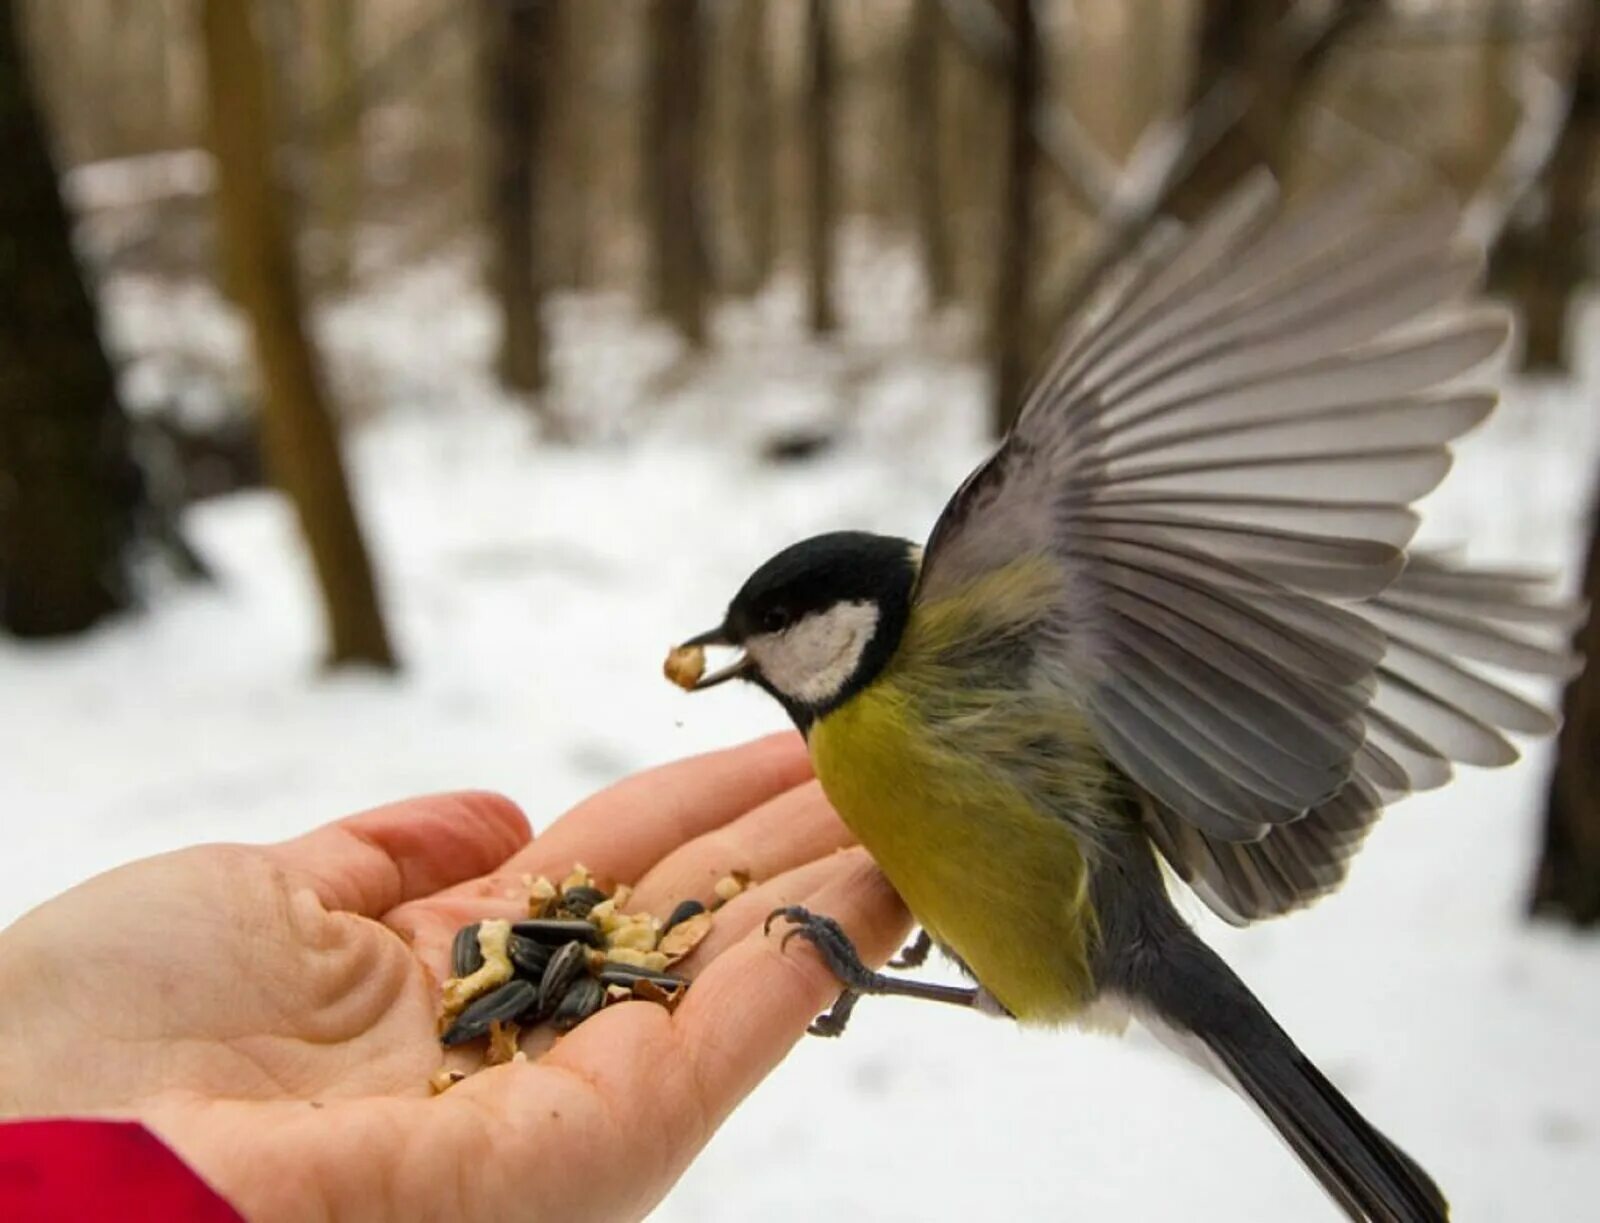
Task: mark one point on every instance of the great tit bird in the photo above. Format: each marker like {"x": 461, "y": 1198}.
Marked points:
{"x": 1174, "y": 618}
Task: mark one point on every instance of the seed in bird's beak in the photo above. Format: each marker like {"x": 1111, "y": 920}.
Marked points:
{"x": 686, "y": 663}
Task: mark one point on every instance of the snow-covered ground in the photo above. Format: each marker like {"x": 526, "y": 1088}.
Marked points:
{"x": 533, "y": 589}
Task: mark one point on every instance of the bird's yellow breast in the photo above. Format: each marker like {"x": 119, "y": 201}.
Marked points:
{"x": 957, "y": 790}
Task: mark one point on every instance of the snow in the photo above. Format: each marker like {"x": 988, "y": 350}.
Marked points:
{"x": 533, "y": 588}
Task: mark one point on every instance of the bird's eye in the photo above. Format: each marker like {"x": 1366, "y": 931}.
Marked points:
{"x": 774, "y": 619}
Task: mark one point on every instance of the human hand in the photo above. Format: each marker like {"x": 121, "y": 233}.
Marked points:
{"x": 270, "y": 1011}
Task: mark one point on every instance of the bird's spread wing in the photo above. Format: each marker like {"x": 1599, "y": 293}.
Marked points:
{"x": 1429, "y": 709}
{"x": 1220, "y": 461}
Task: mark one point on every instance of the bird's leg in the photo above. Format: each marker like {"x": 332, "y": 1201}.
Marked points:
{"x": 915, "y": 953}
{"x": 841, "y": 957}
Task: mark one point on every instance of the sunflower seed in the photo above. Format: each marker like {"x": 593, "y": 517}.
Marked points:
{"x": 583, "y": 998}
{"x": 555, "y": 931}
{"x": 503, "y": 1005}
{"x": 528, "y": 957}
{"x": 564, "y": 968}
{"x": 466, "y": 957}
{"x": 685, "y": 910}
{"x": 576, "y": 902}
{"x": 612, "y": 973}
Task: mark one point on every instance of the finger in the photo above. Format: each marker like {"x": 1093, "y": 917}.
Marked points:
{"x": 794, "y": 828}
{"x": 372, "y": 862}
{"x": 623, "y": 831}
{"x": 753, "y": 1001}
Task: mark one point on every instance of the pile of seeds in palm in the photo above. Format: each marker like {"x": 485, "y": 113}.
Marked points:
{"x": 576, "y": 952}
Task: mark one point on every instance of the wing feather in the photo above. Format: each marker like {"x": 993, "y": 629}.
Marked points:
{"x": 1220, "y": 461}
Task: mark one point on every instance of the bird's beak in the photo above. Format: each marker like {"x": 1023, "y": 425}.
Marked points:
{"x": 719, "y": 636}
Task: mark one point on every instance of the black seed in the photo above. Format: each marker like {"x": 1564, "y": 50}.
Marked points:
{"x": 613, "y": 973}
{"x": 565, "y": 967}
{"x": 583, "y": 998}
{"x": 555, "y": 931}
{"x": 466, "y": 957}
{"x": 512, "y": 1001}
{"x": 530, "y": 958}
{"x": 576, "y": 902}
{"x": 685, "y": 910}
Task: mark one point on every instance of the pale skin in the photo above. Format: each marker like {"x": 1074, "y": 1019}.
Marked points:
{"x": 270, "y": 1010}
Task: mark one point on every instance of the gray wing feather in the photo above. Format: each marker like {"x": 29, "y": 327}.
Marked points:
{"x": 1220, "y": 460}
{"x": 1429, "y": 711}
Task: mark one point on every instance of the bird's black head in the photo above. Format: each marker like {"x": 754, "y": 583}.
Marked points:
{"x": 819, "y": 620}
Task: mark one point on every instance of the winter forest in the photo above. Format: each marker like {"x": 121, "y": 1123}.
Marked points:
{"x": 386, "y": 384}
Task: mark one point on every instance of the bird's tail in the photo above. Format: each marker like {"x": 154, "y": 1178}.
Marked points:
{"x": 1196, "y": 1003}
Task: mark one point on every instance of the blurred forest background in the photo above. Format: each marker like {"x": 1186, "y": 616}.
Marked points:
{"x": 689, "y": 164}
{"x": 476, "y": 350}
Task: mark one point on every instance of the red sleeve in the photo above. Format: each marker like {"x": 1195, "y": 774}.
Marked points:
{"x": 69, "y": 1171}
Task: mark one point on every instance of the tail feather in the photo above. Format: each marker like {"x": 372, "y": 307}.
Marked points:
{"x": 1363, "y": 1171}
{"x": 1191, "y": 996}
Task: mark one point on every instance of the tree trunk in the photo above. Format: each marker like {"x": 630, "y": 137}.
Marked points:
{"x": 339, "y": 136}
{"x": 820, "y": 220}
{"x": 1541, "y": 263}
{"x": 567, "y": 151}
{"x": 922, "y": 144}
{"x": 1009, "y": 338}
{"x": 671, "y": 159}
{"x": 518, "y": 38}
{"x": 1567, "y": 883}
{"x": 1243, "y": 39}
{"x": 301, "y": 442}
{"x": 69, "y": 490}
{"x": 756, "y": 206}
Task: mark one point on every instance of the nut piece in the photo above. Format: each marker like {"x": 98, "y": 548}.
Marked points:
{"x": 685, "y": 936}
{"x": 503, "y": 1036}
{"x": 579, "y": 878}
{"x": 641, "y": 931}
{"x": 685, "y": 665}
{"x": 647, "y": 990}
{"x": 542, "y": 896}
{"x": 494, "y": 971}
{"x": 444, "y": 1079}
{"x": 655, "y": 961}
{"x": 730, "y": 886}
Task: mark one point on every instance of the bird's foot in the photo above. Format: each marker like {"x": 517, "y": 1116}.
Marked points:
{"x": 915, "y": 953}
{"x": 842, "y": 959}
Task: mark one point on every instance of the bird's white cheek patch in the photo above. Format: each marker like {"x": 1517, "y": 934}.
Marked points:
{"x": 812, "y": 660}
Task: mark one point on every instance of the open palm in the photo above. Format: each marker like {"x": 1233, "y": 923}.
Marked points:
{"x": 270, "y": 1010}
